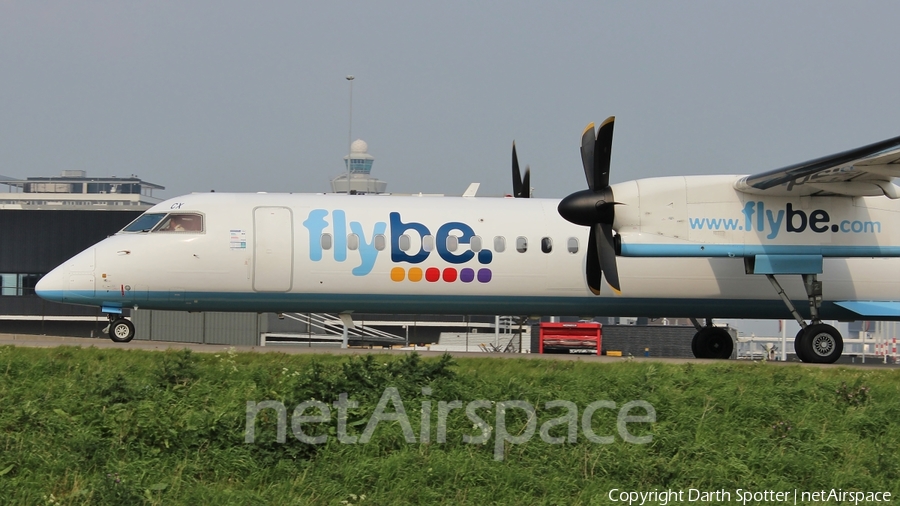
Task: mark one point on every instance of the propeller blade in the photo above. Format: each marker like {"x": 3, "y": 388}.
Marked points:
{"x": 596, "y": 207}
{"x": 588, "y": 140}
{"x": 607, "y": 254}
{"x": 526, "y": 184}
{"x": 517, "y": 176}
{"x": 602, "y": 153}
{"x": 592, "y": 268}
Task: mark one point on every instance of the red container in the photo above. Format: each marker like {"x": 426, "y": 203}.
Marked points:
{"x": 581, "y": 337}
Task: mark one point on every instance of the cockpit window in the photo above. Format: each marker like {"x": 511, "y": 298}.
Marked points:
{"x": 181, "y": 222}
{"x": 144, "y": 223}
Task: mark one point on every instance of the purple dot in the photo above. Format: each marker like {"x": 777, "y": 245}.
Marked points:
{"x": 484, "y": 275}
{"x": 466, "y": 275}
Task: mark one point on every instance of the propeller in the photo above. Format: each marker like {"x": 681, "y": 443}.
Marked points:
{"x": 521, "y": 186}
{"x": 595, "y": 207}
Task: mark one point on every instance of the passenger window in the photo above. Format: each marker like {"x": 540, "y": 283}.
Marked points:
{"x": 326, "y": 241}
{"x": 475, "y": 244}
{"x": 546, "y": 245}
{"x": 499, "y": 244}
{"x": 572, "y": 245}
{"x": 181, "y": 222}
{"x": 379, "y": 242}
{"x": 352, "y": 242}
{"x": 452, "y": 243}
{"x": 144, "y": 223}
{"x": 404, "y": 242}
{"x": 521, "y": 244}
{"x": 428, "y": 243}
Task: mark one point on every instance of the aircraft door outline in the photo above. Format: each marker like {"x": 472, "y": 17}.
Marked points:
{"x": 273, "y": 249}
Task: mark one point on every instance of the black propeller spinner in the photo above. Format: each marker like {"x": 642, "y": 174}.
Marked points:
{"x": 521, "y": 186}
{"x": 595, "y": 207}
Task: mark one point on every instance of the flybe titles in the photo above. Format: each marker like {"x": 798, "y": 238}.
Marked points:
{"x": 351, "y": 240}
{"x": 772, "y": 221}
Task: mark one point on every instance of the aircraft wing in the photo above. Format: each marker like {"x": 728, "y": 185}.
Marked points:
{"x": 862, "y": 172}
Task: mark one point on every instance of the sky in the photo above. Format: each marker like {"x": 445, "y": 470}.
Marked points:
{"x": 253, "y": 96}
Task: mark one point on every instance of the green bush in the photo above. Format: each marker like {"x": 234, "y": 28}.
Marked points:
{"x": 89, "y": 426}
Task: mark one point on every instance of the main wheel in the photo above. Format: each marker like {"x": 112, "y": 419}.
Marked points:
{"x": 821, "y": 344}
{"x": 798, "y": 346}
{"x": 712, "y": 342}
{"x": 121, "y": 330}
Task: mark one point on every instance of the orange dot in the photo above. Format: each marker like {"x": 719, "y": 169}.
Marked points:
{"x": 397, "y": 274}
{"x": 415, "y": 274}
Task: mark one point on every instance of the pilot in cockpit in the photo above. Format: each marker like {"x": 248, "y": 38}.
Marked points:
{"x": 183, "y": 223}
{"x": 176, "y": 224}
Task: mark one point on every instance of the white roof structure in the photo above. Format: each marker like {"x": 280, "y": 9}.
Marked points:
{"x": 73, "y": 189}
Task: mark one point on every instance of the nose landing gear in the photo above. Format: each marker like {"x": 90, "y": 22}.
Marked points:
{"x": 121, "y": 330}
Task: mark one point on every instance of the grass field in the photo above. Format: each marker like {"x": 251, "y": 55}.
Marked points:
{"x": 90, "y": 426}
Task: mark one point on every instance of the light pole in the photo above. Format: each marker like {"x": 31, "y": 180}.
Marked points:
{"x": 350, "y": 134}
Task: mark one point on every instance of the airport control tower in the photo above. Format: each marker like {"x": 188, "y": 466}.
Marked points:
{"x": 360, "y": 163}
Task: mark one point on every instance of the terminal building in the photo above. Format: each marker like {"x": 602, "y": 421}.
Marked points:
{"x": 47, "y": 220}
{"x": 74, "y": 190}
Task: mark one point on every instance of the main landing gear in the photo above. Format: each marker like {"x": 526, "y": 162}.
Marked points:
{"x": 710, "y": 341}
{"x": 816, "y": 342}
{"x": 121, "y": 330}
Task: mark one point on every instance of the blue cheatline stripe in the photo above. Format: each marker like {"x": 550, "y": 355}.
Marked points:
{"x": 467, "y": 304}
{"x": 744, "y": 250}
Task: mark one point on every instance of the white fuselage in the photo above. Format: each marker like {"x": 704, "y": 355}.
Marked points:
{"x": 684, "y": 240}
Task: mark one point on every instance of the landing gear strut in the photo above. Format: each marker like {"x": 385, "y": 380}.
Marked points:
{"x": 710, "y": 341}
{"x": 121, "y": 330}
{"x": 816, "y": 342}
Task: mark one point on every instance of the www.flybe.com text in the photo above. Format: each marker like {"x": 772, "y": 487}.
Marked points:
{"x": 772, "y": 222}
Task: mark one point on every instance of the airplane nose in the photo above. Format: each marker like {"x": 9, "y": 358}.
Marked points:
{"x": 52, "y": 286}
{"x": 72, "y": 281}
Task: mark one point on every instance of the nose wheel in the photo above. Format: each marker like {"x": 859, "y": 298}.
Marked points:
{"x": 121, "y": 330}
